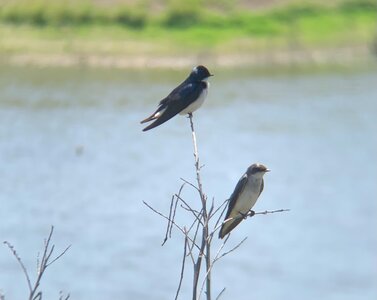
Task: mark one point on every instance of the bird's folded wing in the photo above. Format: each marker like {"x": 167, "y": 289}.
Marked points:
{"x": 228, "y": 226}
{"x": 176, "y": 101}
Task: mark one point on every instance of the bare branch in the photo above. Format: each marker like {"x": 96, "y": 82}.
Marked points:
{"x": 271, "y": 211}
{"x": 59, "y": 256}
{"x": 14, "y": 252}
{"x": 205, "y": 244}
{"x": 220, "y": 294}
{"x": 217, "y": 209}
{"x": 173, "y": 222}
{"x": 61, "y": 296}
{"x": 175, "y": 207}
{"x": 172, "y": 212}
{"x": 231, "y": 250}
{"x": 188, "y": 207}
{"x": 191, "y": 184}
{"x": 217, "y": 226}
{"x": 42, "y": 265}
{"x": 198, "y": 235}
{"x": 194, "y": 238}
{"x": 183, "y": 265}
{"x": 211, "y": 208}
{"x": 169, "y": 218}
{"x": 38, "y": 296}
{"x": 212, "y": 264}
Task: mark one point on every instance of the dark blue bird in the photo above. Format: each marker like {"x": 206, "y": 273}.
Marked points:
{"x": 184, "y": 99}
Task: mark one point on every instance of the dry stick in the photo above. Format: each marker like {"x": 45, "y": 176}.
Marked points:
{"x": 14, "y": 252}
{"x": 173, "y": 222}
{"x": 251, "y": 213}
{"x": 218, "y": 256}
{"x": 229, "y": 251}
{"x": 200, "y": 213}
{"x": 189, "y": 183}
{"x": 218, "y": 219}
{"x": 169, "y": 222}
{"x": 217, "y": 209}
{"x": 61, "y": 296}
{"x": 188, "y": 208}
{"x": 42, "y": 266}
{"x": 183, "y": 264}
{"x": 205, "y": 245}
{"x": 195, "y": 235}
{"x": 176, "y": 203}
{"x": 172, "y": 212}
{"x": 219, "y": 295}
{"x": 270, "y": 211}
{"x": 45, "y": 263}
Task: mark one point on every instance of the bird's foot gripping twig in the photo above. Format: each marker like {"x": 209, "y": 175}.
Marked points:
{"x": 244, "y": 216}
{"x": 250, "y": 213}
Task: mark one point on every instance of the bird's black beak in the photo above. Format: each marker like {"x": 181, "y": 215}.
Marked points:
{"x": 211, "y": 75}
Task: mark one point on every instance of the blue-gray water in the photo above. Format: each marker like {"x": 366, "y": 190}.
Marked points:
{"x": 72, "y": 155}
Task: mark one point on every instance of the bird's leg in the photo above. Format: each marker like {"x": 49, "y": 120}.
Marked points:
{"x": 244, "y": 216}
{"x": 189, "y": 115}
{"x": 250, "y": 213}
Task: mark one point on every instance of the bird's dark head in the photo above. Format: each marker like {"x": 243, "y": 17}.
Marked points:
{"x": 257, "y": 169}
{"x": 199, "y": 73}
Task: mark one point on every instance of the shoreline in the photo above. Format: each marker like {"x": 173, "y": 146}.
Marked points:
{"x": 274, "y": 59}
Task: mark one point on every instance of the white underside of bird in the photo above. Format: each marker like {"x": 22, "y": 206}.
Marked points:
{"x": 197, "y": 103}
{"x": 247, "y": 199}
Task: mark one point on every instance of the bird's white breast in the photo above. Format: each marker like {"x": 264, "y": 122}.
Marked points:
{"x": 248, "y": 197}
{"x": 196, "y": 104}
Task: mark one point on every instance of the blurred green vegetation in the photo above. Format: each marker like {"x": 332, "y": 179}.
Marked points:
{"x": 180, "y": 26}
{"x": 176, "y": 14}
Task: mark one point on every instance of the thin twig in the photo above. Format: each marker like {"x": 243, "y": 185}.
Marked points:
{"x": 42, "y": 265}
{"x": 208, "y": 261}
{"x": 212, "y": 264}
{"x": 14, "y": 252}
{"x": 61, "y": 296}
{"x": 217, "y": 209}
{"x": 60, "y": 255}
{"x": 172, "y": 212}
{"x": 217, "y": 226}
{"x": 231, "y": 250}
{"x": 191, "y": 184}
{"x": 175, "y": 206}
{"x": 205, "y": 244}
{"x": 211, "y": 208}
{"x": 183, "y": 266}
{"x": 271, "y": 211}
{"x": 218, "y": 257}
{"x": 173, "y": 218}
{"x": 173, "y": 222}
{"x": 194, "y": 238}
{"x": 188, "y": 207}
{"x": 169, "y": 218}
{"x": 220, "y": 294}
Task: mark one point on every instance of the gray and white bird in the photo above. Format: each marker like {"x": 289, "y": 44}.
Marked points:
{"x": 244, "y": 197}
{"x": 184, "y": 99}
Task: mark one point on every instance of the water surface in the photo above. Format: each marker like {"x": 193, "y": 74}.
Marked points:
{"x": 72, "y": 155}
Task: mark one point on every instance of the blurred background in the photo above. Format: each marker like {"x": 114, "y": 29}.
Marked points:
{"x": 295, "y": 88}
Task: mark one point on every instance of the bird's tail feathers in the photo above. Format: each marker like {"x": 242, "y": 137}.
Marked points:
{"x": 161, "y": 117}
{"x": 150, "y": 118}
{"x": 159, "y": 121}
{"x": 228, "y": 226}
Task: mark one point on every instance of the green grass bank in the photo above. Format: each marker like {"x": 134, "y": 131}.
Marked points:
{"x": 73, "y": 32}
